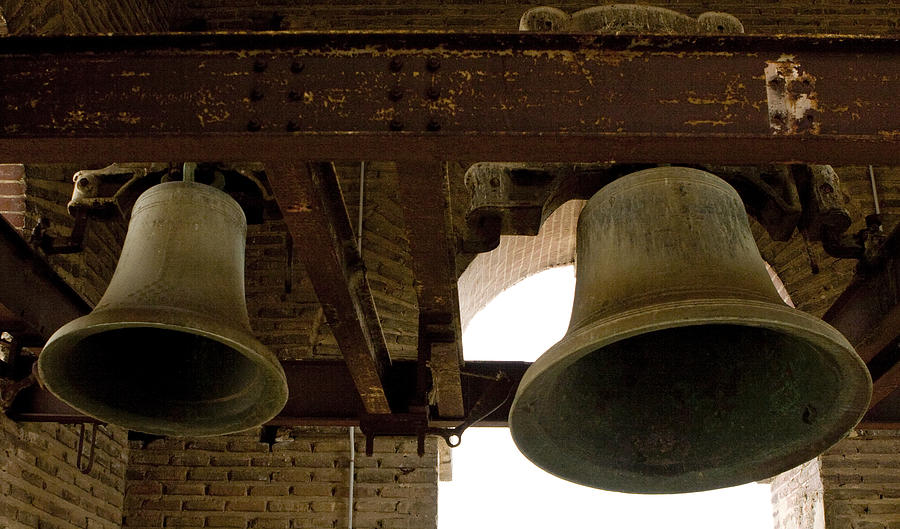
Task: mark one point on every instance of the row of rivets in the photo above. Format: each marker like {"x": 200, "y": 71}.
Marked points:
{"x": 260, "y": 65}
{"x": 432, "y": 64}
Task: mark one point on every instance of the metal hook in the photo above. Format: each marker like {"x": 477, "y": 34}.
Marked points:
{"x": 90, "y": 464}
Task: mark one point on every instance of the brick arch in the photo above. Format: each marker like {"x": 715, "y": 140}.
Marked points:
{"x": 518, "y": 257}
{"x": 521, "y": 256}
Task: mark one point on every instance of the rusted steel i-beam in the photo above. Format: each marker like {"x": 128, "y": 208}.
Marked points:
{"x": 723, "y": 99}
{"x": 425, "y": 195}
{"x": 322, "y": 393}
{"x": 31, "y": 292}
{"x": 310, "y": 200}
{"x": 868, "y": 314}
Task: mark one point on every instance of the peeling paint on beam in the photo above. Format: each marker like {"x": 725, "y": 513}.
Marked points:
{"x": 310, "y": 199}
{"x": 489, "y": 96}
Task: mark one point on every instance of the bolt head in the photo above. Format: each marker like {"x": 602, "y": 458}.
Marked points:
{"x": 434, "y": 125}
{"x": 254, "y": 125}
{"x": 395, "y": 94}
{"x": 433, "y": 93}
{"x": 396, "y": 64}
{"x": 396, "y": 125}
{"x": 433, "y": 63}
{"x": 297, "y": 67}
{"x": 260, "y": 65}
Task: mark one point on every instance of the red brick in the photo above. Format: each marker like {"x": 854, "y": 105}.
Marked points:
{"x": 224, "y": 520}
{"x": 207, "y": 474}
{"x": 184, "y": 521}
{"x": 162, "y": 504}
{"x": 270, "y": 490}
{"x": 270, "y": 523}
{"x": 206, "y": 504}
{"x": 246, "y": 505}
{"x": 12, "y": 171}
{"x": 12, "y": 188}
{"x": 144, "y": 487}
{"x": 185, "y": 489}
{"x": 227, "y": 489}
{"x": 12, "y": 204}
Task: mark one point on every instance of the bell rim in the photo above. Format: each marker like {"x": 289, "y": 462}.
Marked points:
{"x": 579, "y": 342}
{"x": 227, "y": 333}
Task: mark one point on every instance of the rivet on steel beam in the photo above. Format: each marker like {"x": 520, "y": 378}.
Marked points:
{"x": 395, "y": 94}
{"x": 434, "y": 125}
{"x": 294, "y": 95}
{"x": 396, "y": 64}
{"x": 776, "y": 82}
{"x": 260, "y": 65}
{"x": 396, "y": 124}
{"x": 256, "y": 94}
{"x": 297, "y": 67}
{"x": 292, "y": 126}
{"x": 433, "y": 63}
{"x": 779, "y": 118}
{"x": 433, "y": 93}
{"x": 253, "y": 125}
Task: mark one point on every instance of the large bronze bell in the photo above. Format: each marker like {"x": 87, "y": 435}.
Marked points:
{"x": 168, "y": 349}
{"x": 682, "y": 369}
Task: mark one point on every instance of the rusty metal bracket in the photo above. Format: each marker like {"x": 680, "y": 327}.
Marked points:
{"x": 825, "y": 217}
{"x": 110, "y": 192}
{"x": 417, "y": 423}
{"x": 395, "y": 424}
{"x": 40, "y": 236}
{"x": 13, "y": 367}
{"x": 90, "y": 464}
{"x": 516, "y": 198}
{"x": 496, "y": 395}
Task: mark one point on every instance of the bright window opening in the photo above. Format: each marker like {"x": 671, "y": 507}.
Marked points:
{"x": 494, "y": 485}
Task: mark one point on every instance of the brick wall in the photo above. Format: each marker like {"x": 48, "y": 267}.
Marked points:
{"x": 12, "y": 194}
{"x": 40, "y": 486}
{"x": 798, "y": 499}
{"x": 861, "y": 477}
{"x": 518, "y": 257}
{"x": 55, "y": 17}
{"x": 300, "y": 480}
{"x": 854, "y": 485}
{"x": 761, "y": 16}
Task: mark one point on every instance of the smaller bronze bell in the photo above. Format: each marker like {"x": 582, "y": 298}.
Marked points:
{"x": 682, "y": 370}
{"x": 168, "y": 349}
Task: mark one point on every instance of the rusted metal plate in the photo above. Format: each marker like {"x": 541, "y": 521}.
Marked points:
{"x": 737, "y": 99}
{"x": 425, "y": 197}
{"x": 34, "y": 301}
{"x": 310, "y": 200}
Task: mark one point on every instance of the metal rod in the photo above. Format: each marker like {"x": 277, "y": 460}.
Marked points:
{"x": 352, "y": 476}
{"x": 90, "y": 463}
{"x": 874, "y": 191}
{"x": 875, "y": 195}
{"x": 359, "y": 222}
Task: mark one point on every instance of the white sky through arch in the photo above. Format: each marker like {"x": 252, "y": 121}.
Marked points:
{"x": 495, "y": 487}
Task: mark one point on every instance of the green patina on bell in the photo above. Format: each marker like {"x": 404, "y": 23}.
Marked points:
{"x": 168, "y": 350}
{"x": 682, "y": 369}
